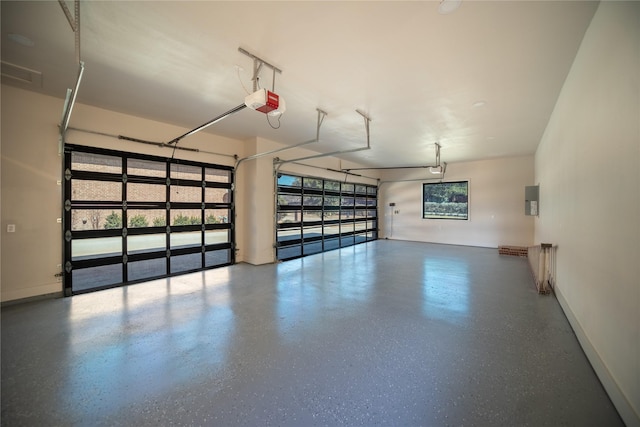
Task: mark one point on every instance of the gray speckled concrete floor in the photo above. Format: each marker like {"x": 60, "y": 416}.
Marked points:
{"x": 386, "y": 333}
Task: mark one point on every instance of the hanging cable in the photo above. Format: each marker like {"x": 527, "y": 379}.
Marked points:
{"x": 241, "y": 82}
{"x": 272, "y": 126}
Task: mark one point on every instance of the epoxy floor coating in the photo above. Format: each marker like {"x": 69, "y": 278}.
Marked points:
{"x": 384, "y": 333}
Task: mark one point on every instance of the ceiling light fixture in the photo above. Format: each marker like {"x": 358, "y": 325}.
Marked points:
{"x": 448, "y": 6}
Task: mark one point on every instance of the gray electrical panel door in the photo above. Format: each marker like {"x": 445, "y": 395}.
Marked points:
{"x": 531, "y": 200}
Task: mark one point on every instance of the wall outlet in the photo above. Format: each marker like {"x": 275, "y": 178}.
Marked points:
{"x": 11, "y": 228}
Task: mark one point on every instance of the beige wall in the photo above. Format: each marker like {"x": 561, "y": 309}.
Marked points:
{"x": 258, "y": 221}
{"x": 588, "y": 166}
{"x": 496, "y": 205}
{"x": 30, "y": 194}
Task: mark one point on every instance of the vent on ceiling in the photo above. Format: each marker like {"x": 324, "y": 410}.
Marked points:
{"x": 15, "y": 74}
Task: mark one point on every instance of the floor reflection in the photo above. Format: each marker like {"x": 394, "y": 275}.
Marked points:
{"x": 445, "y": 288}
{"x": 309, "y": 289}
{"x": 123, "y": 340}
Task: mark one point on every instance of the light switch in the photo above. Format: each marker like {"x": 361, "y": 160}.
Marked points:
{"x": 11, "y": 228}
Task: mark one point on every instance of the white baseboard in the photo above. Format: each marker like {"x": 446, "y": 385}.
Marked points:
{"x": 620, "y": 401}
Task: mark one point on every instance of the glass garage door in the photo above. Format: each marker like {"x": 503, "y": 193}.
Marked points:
{"x": 130, "y": 217}
{"x": 317, "y": 215}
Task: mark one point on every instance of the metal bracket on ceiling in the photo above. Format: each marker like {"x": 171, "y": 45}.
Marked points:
{"x": 67, "y": 13}
{"x": 74, "y": 22}
{"x": 321, "y": 115}
{"x": 442, "y": 167}
{"x": 367, "y": 120}
{"x": 257, "y": 66}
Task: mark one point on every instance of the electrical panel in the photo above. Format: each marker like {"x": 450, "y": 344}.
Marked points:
{"x": 531, "y": 200}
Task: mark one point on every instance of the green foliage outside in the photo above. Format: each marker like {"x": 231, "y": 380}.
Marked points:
{"x": 138, "y": 221}
{"x": 159, "y": 221}
{"x": 113, "y": 220}
{"x": 186, "y": 220}
{"x": 445, "y": 210}
{"x": 446, "y": 192}
{"x": 211, "y": 219}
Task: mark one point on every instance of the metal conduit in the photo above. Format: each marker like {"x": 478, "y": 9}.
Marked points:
{"x": 439, "y": 178}
{"x": 70, "y": 103}
{"x": 157, "y": 144}
{"x": 388, "y": 168}
{"x": 209, "y": 123}
{"x": 409, "y": 180}
{"x": 343, "y": 172}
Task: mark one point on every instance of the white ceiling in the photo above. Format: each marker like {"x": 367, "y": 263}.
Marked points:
{"x": 415, "y": 72}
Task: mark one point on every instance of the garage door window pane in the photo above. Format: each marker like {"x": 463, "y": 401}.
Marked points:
{"x": 140, "y": 218}
{"x": 189, "y": 172}
{"x": 139, "y": 167}
{"x": 186, "y": 217}
{"x": 214, "y": 237}
{"x": 286, "y": 217}
{"x": 95, "y": 248}
{"x": 216, "y": 216}
{"x": 87, "y": 190}
{"x": 147, "y": 269}
{"x": 146, "y": 243}
{"x": 93, "y": 219}
{"x": 289, "y": 234}
{"x": 217, "y": 195}
{"x": 188, "y": 262}
{"x": 217, "y": 175}
{"x": 220, "y": 257}
{"x": 312, "y": 216}
{"x": 184, "y": 194}
{"x": 289, "y": 181}
{"x": 92, "y": 162}
{"x": 186, "y": 240}
{"x": 137, "y": 192}
{"x": 95, "y": 277}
